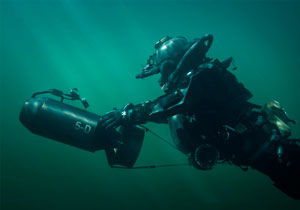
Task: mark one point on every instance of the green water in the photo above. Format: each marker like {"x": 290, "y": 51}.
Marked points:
{"x": 98, "y": 47}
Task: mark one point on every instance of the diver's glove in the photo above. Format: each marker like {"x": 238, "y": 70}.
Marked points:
{"x": 116, "y": 117}
{"x": 112, "y": 119}
{"x": 130, "y": 114}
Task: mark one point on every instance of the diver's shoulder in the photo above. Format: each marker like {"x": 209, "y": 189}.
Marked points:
{"x": 216, "y": 64}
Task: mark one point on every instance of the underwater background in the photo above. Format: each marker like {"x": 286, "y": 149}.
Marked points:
{"x": 99, "y": 47}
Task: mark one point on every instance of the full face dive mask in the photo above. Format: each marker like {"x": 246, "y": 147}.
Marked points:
{"x": 167, "y": 53}
{"x": 176, "y": 56}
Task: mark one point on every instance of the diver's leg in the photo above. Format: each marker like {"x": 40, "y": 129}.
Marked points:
{"x": 281, "y": 162}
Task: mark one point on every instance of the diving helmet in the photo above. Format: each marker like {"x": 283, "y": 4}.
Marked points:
{"x": 168, "y": 52}
{"x": 175, "y": 56}
{"x": 170, "y": 48}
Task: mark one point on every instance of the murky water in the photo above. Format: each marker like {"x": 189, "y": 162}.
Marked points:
{"x": 98, "y": 47}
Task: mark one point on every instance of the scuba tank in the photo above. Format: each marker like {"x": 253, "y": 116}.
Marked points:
{"x": 77, "y": 127}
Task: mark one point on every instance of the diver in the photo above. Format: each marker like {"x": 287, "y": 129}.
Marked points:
{"x": 210, "y": 117}
{"x": 207, "y": 109}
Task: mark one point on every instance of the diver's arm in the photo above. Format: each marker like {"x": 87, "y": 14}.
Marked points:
{"x": 140, "y": 113}
{"x": 156, "y": 111}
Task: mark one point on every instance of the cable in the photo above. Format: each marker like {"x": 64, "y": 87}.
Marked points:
{"x": 161, "y": 138}
{"x": 151, "y": 166}
{"x": 155, "y": 166}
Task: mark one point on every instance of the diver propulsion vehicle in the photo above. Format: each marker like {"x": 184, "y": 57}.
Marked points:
{"x": 77, "y": 127}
